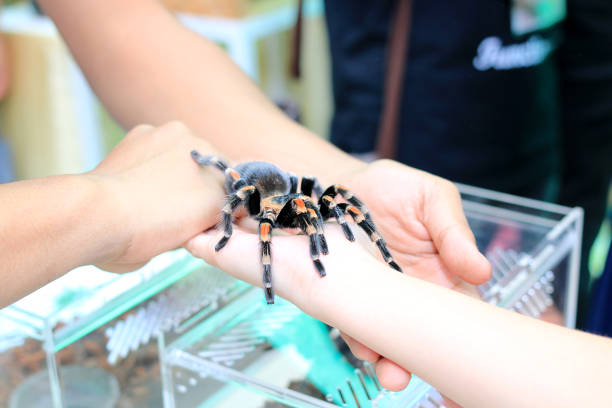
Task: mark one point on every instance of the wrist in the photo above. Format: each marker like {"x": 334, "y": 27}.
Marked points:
{"x": 351, "y": 278}
{"x": 341, "y": 167}
{"x": 107, "y": 218}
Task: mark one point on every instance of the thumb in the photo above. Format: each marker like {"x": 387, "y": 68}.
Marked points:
{"x": 451, "y": 234}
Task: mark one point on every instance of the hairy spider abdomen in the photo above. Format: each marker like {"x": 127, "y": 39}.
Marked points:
{"x": 266, "y": 177}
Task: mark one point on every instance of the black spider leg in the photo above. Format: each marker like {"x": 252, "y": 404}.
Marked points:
{"x": 209, "y": 160}
{"x": 329, "y": 209}
{"x": 373, "y": 234}
{"x": 238, "y": 197}
{"x": 310, "y": 184}
{"x": 265, "y": 236}
{"x": 307, "y": 185}
{"x": 294, "y": 183}
{"x": 301, "y": 211}
{"x": 317, "y": 220}
{"x": 234, "y": 177}
{"x": 348, "y": 195}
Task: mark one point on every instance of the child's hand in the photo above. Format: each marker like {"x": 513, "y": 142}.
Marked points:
{"x": 293, "y": 274}
{"x": 296, "y": 280}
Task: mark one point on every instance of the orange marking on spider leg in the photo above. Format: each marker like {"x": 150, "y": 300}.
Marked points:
{"x": 344, "y": 192}
{"x": 357, "y": 215}
{"x": 353, "y": 210}
{"x": 264, "y": 232}
{"x": 329, "y": 201}
{"x": 312, "y": 213}
{"x": 301, "y": 206}
{"x": 235, "y": 175}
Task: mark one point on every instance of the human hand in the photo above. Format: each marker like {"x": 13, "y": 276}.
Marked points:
{"x": 294, "y": 275}
{"x": 426, "y": 231}
{"x": 161, "y": 197}
{"x": 295, "y": 279}
{"x": 421, "y": 218}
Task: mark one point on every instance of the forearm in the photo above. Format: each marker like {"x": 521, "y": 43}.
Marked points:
{"x": 475, "y": 353}
{"x": 147, "y": 68}
{"x": 50, "y": 226}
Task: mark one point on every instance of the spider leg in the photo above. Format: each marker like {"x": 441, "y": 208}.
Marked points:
{"x": 309, "y": 229}
{"x": 348, "y": 195}
{"x": 329, "y": 209}
{"x": 310, "y": 184}
{"x": 232, "y": 176}
{"x": 265, "y": 236}
{"x": 294, "y": 183}
{"x": 209, "y": 160}
{"x": 317, "y": 220}
{"x": 233, "y": 179}
{"x": 373, "y": 234}
{"x": 232, "y": 203}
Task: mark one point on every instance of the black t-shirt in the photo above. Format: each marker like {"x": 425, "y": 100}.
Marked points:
{"x": 480, "y": 106}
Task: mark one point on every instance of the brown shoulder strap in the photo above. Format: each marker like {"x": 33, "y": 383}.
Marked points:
{"x": 397, "y": 54}
{"x": 296, "y": 42}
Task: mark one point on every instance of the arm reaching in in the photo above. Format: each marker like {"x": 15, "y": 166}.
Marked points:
{"x": 146, "y": 197}
{"x": 477, "y": 354}
{"x": 148, "y": 68}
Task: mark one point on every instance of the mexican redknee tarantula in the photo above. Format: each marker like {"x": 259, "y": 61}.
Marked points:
{"x": 271, "y": 196}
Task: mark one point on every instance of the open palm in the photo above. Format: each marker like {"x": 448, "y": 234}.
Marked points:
{"x": 421, "y": 218}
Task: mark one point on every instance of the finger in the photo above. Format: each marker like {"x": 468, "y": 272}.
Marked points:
{"x": 115, "y": 161}
{"x": 292, "y": 276}
{"x": 391, "y": 376}
{"x": 238, "y": 258}
{"x": 444, "y": 218}
{"x": 140, "y": 129}
{"x": 121, "y": 267}
{"x": 359, "y": 350}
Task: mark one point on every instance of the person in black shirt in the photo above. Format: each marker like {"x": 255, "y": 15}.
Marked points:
{"x": 481, "y": 105}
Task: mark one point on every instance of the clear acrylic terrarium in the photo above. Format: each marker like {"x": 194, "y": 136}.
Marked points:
{"x": 41, "y": 330}
{"x": 248, "y": 354}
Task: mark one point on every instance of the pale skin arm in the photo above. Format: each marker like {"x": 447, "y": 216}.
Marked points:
{"x": 146, "y": 197}
{"x": 47, "y": 225}
{"x": 148, "y": 68}
{"x": 474, "y": 353}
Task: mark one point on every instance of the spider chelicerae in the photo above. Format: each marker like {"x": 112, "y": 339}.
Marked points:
{"x": 272, "y": 197}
